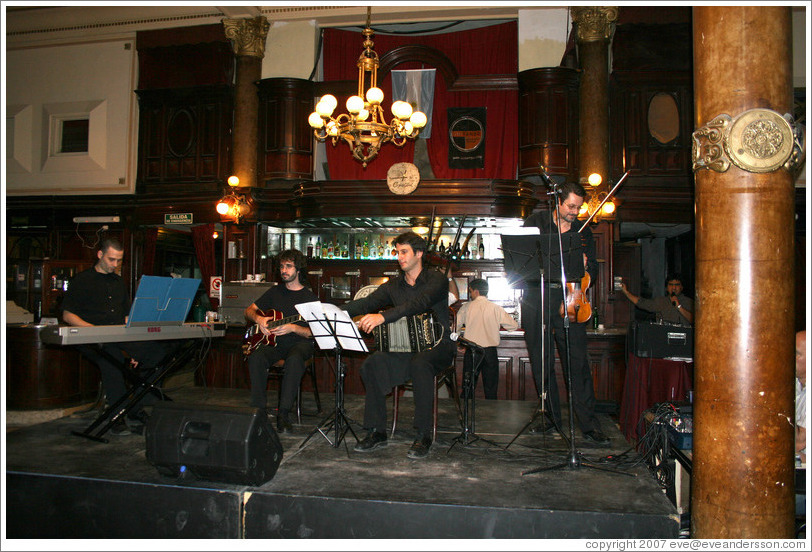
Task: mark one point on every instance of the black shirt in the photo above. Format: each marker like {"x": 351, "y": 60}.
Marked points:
{"x": 284, "y": 301}
{"x": 430, "y": 292}
{"x": 97, "y": 298}
{"x": 543, "y": 220}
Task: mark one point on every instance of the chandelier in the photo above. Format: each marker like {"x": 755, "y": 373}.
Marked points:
{"x": 364, "y": 126}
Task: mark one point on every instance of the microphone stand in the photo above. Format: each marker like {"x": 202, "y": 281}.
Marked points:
{"x": 574, "y": 460}
{"x": 469, "y": 435}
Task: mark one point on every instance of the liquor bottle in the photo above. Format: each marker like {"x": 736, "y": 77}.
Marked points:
{"x": 326, "y": 252}
{"x": 310, "y": 247}
{"x": 381, "y": 250}
{"x": 373, "y": 249}
{"x": 365, "y": 250}
{"x": 595, "y": 319}
{"x": 345, "y": 250}
{"x": 394, "y": 250}
{"x": 317, "y": 252}
{"x": 481, "y": 250}
{"x": 441, "y": 249}
{"x": 359, "y": 250}
{"x": 331, "y": 250}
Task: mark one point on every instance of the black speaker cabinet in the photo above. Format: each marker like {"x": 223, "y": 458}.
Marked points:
{"x": 228, "y": 444}
{"x": 662, "y": 340}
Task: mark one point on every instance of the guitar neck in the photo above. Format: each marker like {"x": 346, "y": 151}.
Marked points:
{"x": 283, "y": 321}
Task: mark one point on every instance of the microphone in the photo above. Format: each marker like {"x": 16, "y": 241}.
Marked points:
{"x": 468, "y": 343}
{"x": 674, "y": 299}
{"x": 554, "y": 188}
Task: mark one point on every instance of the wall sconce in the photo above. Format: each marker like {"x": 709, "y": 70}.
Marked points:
{"x": 233, "y": 204}
{"x": 598, "y": 203}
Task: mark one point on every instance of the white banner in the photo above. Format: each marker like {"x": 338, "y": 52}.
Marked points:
{"x": 416, "y": 86}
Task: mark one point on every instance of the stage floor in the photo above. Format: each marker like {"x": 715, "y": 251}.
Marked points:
{"x": 63, "y": 486}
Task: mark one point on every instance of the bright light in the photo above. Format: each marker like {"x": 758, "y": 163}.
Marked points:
{"x": 355, "y": 104}
{"x": 419, "y": 119}
{"x": 330, "y": 101}
{"x": 608, "y": 208}
{"x": 222, "y": 208}
{"x": 420, "y": 230}
{"x": 233, "y": 181}
{"x": 402, "y": 110}
{"x": 375, "y": 95}
{"x": 595, "y": 179}
{"x": 215, "y": 235}
{"x": 315, "y": 120}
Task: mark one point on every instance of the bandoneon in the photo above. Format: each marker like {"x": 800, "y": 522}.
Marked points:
{"x": 410, "y": 334}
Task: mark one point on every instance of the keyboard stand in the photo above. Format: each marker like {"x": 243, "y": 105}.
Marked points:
{"x": 141, "y": 387}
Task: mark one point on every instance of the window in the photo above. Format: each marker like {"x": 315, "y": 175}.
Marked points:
{"x": 74, "y": 136}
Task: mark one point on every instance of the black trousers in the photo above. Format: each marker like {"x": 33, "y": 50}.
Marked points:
{"x": 264, "y": 357}
{"x": 149, "y": 355}
{"x": 583, "y": 391}
{"x": 380, "y": 372}
{"x": 487, "y": 363}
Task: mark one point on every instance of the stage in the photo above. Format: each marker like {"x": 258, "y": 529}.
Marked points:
{"x": 59, "y": 485}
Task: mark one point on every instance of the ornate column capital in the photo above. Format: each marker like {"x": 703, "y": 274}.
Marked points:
{"x": 247, "y": 36}
{"x": 594, "y": 23}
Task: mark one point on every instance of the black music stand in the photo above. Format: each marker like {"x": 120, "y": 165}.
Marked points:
{"x": 469, "y": 435}
{"x": 334, "y": 330}
{"x": 528, "y": 258}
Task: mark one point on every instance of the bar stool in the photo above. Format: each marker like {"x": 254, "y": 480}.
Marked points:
{"x": 277, "y": 370}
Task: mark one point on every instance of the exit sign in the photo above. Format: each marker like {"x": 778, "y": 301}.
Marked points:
{"x": 177, "y": 218}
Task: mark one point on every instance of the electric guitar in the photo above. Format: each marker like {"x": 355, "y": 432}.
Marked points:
{"x": 254, "y": 337}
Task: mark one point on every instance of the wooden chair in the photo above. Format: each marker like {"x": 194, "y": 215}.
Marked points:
{"x": 277, "y": 370}
{"x": 447, "y": 377}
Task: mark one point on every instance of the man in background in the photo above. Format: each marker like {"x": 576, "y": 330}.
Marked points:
{"x": 674, "y": 308}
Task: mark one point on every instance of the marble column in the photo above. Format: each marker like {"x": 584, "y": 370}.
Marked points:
{"x": 744, "y": 157}
{"x": 247, "y": 38}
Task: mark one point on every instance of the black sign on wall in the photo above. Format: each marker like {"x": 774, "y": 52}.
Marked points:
{"x": 466, "y": 137}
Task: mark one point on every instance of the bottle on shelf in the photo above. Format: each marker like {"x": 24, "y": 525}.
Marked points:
{"x": 441, "y": 248}
{"x": 345, "y": 250}
{"x": 310, "y": 247}
{"x": 359, "y": 251}
{"x": 365, "y": 249}
{"x": 480, "y": 249}
{"x": 324, "y": 250}
{"x": 331, "y": 249}
{"x": 381, "y": 250}
{"x": 317, "y": 251}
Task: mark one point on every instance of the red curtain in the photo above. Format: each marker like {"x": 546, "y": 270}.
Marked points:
{"x": 150, "y": 239}
{"x": 204, "y": 249}
{"x": 487, "y": 51}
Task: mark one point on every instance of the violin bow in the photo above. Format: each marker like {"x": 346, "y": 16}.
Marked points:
{"x": 431, "y": 230}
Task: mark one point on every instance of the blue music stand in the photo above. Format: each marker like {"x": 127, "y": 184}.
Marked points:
{"x": 162, "y": 301}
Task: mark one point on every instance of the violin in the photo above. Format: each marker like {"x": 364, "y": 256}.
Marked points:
{"x": 578, "y": 307}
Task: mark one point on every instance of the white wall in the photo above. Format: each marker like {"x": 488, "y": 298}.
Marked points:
{"x": 91, "y": 79}
{"x": 542, "y": 37}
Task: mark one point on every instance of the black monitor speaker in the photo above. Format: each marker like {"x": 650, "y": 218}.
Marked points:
{"x": 228, "y": 444}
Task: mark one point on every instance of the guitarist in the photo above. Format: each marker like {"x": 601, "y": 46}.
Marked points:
{"x": 291, "y": 342}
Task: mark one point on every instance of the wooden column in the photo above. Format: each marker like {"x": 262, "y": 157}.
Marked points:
{"x": 247, "y": 37}
{"x": 743, "y": 477}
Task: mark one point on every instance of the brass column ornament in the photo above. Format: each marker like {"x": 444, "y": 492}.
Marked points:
{"x": 594, "y": 22}
{"x": 247, "y": 36}
{"x": 758, "y": 141}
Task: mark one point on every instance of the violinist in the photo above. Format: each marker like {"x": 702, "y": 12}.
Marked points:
{"x": 564, "y": 219}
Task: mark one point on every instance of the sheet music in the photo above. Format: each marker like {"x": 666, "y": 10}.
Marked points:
{"x": 325, "y": 319}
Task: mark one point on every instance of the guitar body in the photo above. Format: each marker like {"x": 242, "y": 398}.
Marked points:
{"x": 254, "y": 338}
{"x": 578, "y": 308}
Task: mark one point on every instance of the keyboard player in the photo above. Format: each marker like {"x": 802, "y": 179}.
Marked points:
{"x": 97, "y": 297}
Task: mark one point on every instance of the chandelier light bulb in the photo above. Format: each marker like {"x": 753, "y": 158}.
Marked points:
{"x": 402, "y": 110}
{"x": 233, "y": 181}
{"x": 332, "y": 128}
{"x": 375, "y": 95}
{"x": 222, "y": 207}
{"x": 595, "y": 179}
{"x": 584, "y": 210}
{"x": 355, "y": 104}
{"x": 408, "y": 128}
{"x": 363, "y": 115}
{"x": 325, "y": 109}
{"x": 418, "y": 119}
{"x": 315, "y": 120}
{"x": 608, "y": 208}
{"x": 330, "y": 101}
